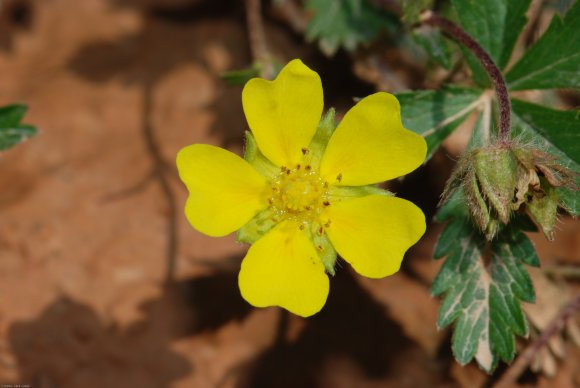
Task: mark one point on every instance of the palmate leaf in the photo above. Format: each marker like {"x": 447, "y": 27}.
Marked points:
{"x": 345, "y": 23}
{"x": 436, "y": 113}
{"x": 483, "y": 284}
{"x": 12, "y": 131}
{"x": 554, "y": 60}
{"x": 495, "y": 25}
{"x": 556, "y": 132}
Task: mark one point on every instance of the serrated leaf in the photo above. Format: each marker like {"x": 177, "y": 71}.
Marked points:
{"x": 554, "y": 60}
{"x": 12, "y": 131}
{"x": 495, "y": 25}
{"x": 483, "y": 284}
{"x": 345, "y": 23}
{"x": 556, "y": 132}
{"x": 436, "y": 113}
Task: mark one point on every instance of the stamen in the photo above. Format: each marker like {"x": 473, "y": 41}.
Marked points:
{"x": 321, "y": 230}
{"x": 298, "y": 167}
{"x": 308, "y": 167}
{"x": 339, "y": 177}
{"x": 326, "y": 203}
{"x": 305, "y": 151}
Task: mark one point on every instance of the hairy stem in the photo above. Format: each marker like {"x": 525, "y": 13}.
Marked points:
{"x": 495, "y": 75}
{"x": 509, "y": 378}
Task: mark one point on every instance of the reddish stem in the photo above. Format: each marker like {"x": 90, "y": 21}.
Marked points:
{"x": 495, "y": 75}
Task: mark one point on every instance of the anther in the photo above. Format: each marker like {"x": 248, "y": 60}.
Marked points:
{"x": 275, "y": 189}
{"x": 298, "y": 167}
{"x": 308, "y": 168}
{"x": 288, "y": 172}
{"x": 327, "y": 224}
{"x": 301, "y": 227}
{"x": 305, "y": 151}
{"x": 326, "y": 203}
{"x": 321, "y": 230}
{"x": 320, "y": 248}
{"x": 283, "y": 168}
{"x": 307, "y": 207}
{"x": 325, "y": 184}
{"x": 270, "y": 201}
{"x": 339, "y": 177}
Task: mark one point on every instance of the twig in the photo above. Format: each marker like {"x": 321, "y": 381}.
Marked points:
{"x": 158, "y": 171}
{"x": 511, "y": 375}
{"x": 257, "y": 37}
{"x": 568, "y": 271}
{"x": 495, "y": 75}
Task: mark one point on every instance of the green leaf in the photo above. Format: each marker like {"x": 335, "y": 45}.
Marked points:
{"x": 436, "y": 113}
{"x": 556, "y": 132}
{"x": 495, "y": 25}
{"x": 412, "y": 9}
{"x": 241, "y": 76}
{"x": 12, "y": 131}
{"x": 433, "y": 42}
{"x": 483, "y": 284}
{"x": 554, "y": 60}
{"x": 345, "y": 23}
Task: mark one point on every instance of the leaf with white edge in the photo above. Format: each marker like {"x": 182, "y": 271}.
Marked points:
{"x": 434, "y": 114}
{"x": 483, "y": 284}
{"x": 495, "y": 25}
{"x": 556, "y": 132}
{"x": 345, "y": 23}
{"x": 554, "y": 60}
{"x": 12, "y": 131}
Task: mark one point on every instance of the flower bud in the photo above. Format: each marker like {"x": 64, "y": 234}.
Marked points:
{"x": 498, "y": 180}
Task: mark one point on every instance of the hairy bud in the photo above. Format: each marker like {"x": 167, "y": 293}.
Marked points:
{"x": 498, "y": 180}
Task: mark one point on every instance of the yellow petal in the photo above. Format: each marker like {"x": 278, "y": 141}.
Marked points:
{"x": 372, "y": 233}
{"x": 283, "y": 269}
{"x": 225, "y": 192}
{"x": 283, "y": 114}
{"x": 370, "y": 144}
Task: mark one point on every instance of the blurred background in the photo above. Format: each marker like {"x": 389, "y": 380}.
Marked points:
{"x": 102, "y": 281}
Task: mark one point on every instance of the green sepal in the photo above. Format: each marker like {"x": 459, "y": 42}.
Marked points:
{"x": 317, "y": 145}
{"x": 544, "y": 209}
{"x": 257, "y": 227}
{"x": 495, "y": 168}
{"x": 254, "y": 156}
{"x": 323, "y": 247}
{"x": 341, "y": 193}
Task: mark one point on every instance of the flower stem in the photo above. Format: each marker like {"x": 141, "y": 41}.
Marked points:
{"x": 495, "y": 75}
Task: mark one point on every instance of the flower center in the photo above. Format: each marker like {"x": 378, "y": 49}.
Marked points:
{"x": 298, "y": 193}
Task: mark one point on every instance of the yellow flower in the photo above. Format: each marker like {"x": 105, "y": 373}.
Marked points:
{"x": 306, "y": 190}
